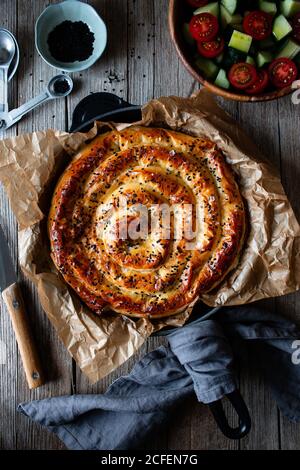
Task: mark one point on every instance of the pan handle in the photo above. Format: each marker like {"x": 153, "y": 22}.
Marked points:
{"x": 242, "y": 411}
{"x": 97, "y": 106}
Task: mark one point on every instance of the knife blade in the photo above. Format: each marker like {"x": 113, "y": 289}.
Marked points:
{"x": 14, "y": 302}
{"x": 7, "y": 272}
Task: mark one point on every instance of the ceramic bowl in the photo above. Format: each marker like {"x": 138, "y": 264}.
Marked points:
{"x": 177, "y": 16}
{"x": 71, "y": 10}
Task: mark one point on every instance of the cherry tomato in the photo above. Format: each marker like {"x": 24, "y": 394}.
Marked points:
{"x": 204, "y": 27}
{"x": 197, "y": 3}
{"x": 258, "y": 24}
{"x": 242, "y": 75}
{"x": 282, "y": 72}
{"x": 296, "y": 26}
{"x": 260, "y": 85}
{"x": 211, "y": 48}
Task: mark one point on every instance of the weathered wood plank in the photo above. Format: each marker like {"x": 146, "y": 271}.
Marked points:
{"x": 190, "y": 431}
{"x": 140, "y": 51}
{"x": 289, "y": 305}
{"x": 142, "y": 27}
{"x": 108, "y": 74}
{"x": 171, "y": 78}
{"x": 262, "y": 408}
{"x": 9, "y": 366}
{"x": 139, "y": 63}
{"x": 206, "y": 435}
{"x": 255, "y": 119}
{"x": 33, "y": 75}
{"x": 289, "y": 124}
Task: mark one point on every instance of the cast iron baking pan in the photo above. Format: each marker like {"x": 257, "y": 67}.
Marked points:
{"x": 109, "y": 107}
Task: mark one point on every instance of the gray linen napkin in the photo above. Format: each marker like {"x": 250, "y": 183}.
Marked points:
{"x": 199, "y": 359}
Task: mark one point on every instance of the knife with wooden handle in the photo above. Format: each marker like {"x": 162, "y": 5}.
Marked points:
{"x": 14, "y": 302}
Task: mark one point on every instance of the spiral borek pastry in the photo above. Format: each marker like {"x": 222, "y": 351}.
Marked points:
{"x": 145, "y": 220}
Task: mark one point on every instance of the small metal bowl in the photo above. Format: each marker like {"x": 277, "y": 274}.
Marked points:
{"x": 71, "y": 10}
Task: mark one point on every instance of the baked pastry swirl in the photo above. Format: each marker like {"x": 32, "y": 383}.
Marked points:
{"x": 159, "y": 273}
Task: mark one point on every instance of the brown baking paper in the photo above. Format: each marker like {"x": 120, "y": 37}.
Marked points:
{"x": 269, "y": 266}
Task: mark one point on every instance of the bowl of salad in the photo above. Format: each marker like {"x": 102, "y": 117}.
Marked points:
{"x": 244, "y": 50}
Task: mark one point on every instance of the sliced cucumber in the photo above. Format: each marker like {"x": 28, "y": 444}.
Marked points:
{"x": 219, "y": 59}
{"x": 187, "y": 35}
{"x": 227, "y": 18}
{"x": 289, "y": 50}
{"x": 232, "y": 56}
{"x": 230, "y": 5}
{"x": 227, "y": 33}
{"x": 297, "y": 60}
{"x": 236, "y": 19}
{"x": 207, "y": 67}
{"x": 268, "y": 7}
{"x": 238, "y": 27}
{"x": 263, "y": 57}
{"x": 268, "y": 43}
{"x": 281, "y": 27}
{"x": 250, "y": 60}
{"x": 253, "y": 50}
{"x": 221, "y": 80}
{"x": 289, "y": 7}
{"x": 240, "y": 41}
{"x": 212, "y": 8}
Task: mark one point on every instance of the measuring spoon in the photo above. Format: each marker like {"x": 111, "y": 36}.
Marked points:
{"x": 15, "y": 62}
{"x": 7, "y": 52}
{"x": 58, "y": 87}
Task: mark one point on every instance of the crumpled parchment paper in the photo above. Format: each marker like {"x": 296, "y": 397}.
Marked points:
{"x": 29, "y": 168}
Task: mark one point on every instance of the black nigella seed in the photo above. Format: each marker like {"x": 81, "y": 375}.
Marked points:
{"x": 61, "y": 86}
{"x": 70, "y": 41}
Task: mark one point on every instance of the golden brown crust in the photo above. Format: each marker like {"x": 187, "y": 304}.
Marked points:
{"x": 156, "y": 276}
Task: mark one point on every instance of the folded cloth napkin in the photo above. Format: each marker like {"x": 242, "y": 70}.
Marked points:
{"x": 199, "y": 360}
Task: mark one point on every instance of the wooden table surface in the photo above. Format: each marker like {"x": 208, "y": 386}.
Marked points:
{"x": 139, "y": 63}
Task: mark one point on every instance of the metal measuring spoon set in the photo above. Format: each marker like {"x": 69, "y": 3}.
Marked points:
{"x": 58, "y": 87}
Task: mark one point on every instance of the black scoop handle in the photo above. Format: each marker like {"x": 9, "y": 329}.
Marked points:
{"x": 242, "y": 411}
{"x": 103, "y": 106}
